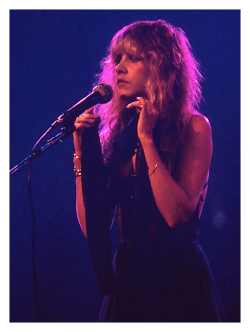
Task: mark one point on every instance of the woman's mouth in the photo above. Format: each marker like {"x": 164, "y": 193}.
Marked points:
{"x": 121, "y": 82}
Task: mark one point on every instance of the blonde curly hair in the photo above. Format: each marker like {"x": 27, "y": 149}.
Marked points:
{"x": 173, "y": 86}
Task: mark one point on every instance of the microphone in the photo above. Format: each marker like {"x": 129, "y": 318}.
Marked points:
{"x": 101, "y": 94}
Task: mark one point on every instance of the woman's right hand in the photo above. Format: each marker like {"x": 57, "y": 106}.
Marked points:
{"x": 85, "y": 120}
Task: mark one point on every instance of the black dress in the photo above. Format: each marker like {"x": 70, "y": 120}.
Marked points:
{"x": 161, "y": 273}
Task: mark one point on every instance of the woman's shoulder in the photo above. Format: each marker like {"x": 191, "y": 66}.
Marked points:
{"x": 197, "y": 134}
{"x": 198, "y": 123}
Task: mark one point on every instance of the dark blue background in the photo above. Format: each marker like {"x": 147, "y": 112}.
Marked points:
{"x": 54, "y": 56}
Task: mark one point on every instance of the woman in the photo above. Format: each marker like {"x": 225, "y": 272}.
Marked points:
{"x": 149, "y": 172}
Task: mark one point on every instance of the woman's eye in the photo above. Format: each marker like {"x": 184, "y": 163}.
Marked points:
{"x": 117, "y": 59}
{"x": 134, "y": 58}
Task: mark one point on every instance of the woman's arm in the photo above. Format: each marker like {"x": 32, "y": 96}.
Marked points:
{"x": 93, "y": 199}
{"x": 82, "y": 122}
{"x": 80, "y": 209}
{"x": 177, "y": 199}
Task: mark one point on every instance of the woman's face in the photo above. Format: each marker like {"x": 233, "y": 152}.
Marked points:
{"x": 131, "y": 75}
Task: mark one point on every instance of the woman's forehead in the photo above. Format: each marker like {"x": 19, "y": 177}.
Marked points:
{"x": 125, "y": 45}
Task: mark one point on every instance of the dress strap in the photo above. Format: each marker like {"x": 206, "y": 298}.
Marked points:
{"x": 201, "y": 198}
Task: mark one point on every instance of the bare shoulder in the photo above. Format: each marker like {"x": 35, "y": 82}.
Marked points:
{"x": 199, "y": 124}
{"x": 198, "y": 135}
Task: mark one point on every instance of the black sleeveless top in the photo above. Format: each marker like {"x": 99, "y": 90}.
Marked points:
{"x": 158, "y": 273}
{"x": 139, "y": 212}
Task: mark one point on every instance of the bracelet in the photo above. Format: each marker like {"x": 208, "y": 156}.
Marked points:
{"x": 77, "y": 157}
{"x": 77, "y": 172}
{"x": 156, "y": 165}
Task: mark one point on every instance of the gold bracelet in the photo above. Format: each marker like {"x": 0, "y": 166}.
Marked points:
{"x": 77, "y": 175}
{"x": 77, "y": 172}
{"x": 80, "y": 174}
{"x": 77, "y": 157}
{"x": 156, "y": 165}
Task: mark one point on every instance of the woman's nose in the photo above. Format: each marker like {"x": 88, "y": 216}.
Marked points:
{"x": 121, "y": 67}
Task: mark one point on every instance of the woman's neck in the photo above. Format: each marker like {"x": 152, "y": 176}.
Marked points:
{"x": 127, "y": 114}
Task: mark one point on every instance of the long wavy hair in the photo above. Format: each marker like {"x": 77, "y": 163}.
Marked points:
{"x": 173, "y": 86}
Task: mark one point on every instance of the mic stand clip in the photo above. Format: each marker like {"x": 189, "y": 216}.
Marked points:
{"x": 36, "y": 152}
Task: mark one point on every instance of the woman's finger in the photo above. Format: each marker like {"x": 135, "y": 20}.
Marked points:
{"x": 85, "y": 119}
{"x": 89, "y": 110}
{"x": 139, "y": 103}
{"x": 134, "y": 104}
{"x": 141, "y": 100}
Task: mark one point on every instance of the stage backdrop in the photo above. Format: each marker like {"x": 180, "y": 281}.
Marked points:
{"x": 54, "y": 56}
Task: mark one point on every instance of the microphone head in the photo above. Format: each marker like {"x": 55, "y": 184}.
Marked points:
{"x": 106, "y": 92}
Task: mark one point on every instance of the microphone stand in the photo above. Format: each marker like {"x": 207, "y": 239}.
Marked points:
{"x": 102, "y": 93}
{"x": 36, "y": 152}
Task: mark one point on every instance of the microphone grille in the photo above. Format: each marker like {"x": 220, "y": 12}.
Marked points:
{"x": 106, "y": 92}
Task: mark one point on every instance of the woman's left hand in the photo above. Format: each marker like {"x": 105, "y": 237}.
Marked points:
{"x": 147, "y": 119}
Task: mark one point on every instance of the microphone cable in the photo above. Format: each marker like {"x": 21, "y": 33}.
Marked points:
{"x": 33, "y": 247}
